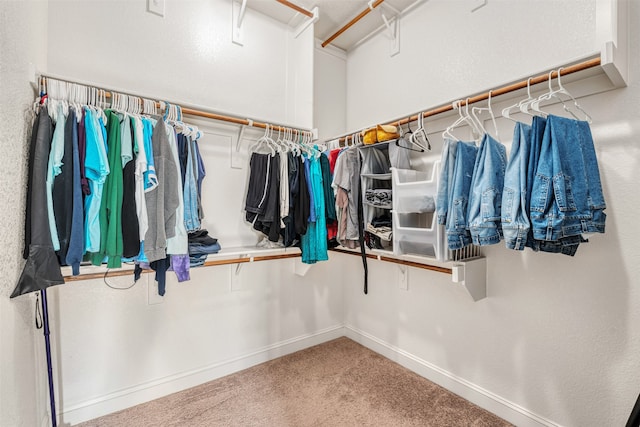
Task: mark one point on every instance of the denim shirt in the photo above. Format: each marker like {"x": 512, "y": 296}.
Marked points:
{"x": 515, "y": 215}
{"x": 566, "y": 194}
{"x": 458, "y": 235}
{"x": 485, "y": 198}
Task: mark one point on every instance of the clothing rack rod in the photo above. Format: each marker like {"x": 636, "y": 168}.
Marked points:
{"x": 296, "y": 8}
{"x": 352, "y": 22}
{"x": 211, "y": 263}
{"x": 397, "y": 261}
{"x": 188, "y": 110}
{"x": 496, "y": 92}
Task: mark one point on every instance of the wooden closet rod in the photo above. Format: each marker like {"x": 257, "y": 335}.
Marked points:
{"x": 397, "y": 261}
{"x": 296, "y": 8}
{"x": 496, "y": 92}
{"x": 350, "y": 23}
{"x": 213, "y": 262}
{"x": 190, "y": 111}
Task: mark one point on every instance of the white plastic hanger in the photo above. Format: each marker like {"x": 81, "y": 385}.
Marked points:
{"x": 488, "y": 108}
{"x": 262, "y": 142}
{"x": 462, "y": 119}
{"x": 420, "y": 133}
{"x": 563, "y": 91}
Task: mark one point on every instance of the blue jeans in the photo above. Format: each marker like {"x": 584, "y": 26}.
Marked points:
{"x": 191, "y": 217}
{"x": 458, "y": 235}
{"x": 485, "y": 198}
{"x": 446, "y": 179}
{"x": 566, "y": 199}
{"x": 515, "y": 212}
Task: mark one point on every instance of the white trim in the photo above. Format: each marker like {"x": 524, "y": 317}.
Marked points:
{"x": 498, "y": 405}
{"x": 141, "y": 393}
{"x": 125, "y": 398}
{"x": 330, "y": 50}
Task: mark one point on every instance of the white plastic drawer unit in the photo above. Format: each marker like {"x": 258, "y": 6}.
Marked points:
{"x": 417, "y": 234}
{"x": 415, "y": 191}
{"x": 415, "y": 229}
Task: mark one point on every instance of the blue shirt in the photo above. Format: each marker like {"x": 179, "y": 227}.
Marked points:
{"x": 96, "y": 166}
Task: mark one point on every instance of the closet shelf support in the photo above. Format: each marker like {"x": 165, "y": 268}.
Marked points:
{"x": 391, "y": 24}
{"x": 472, "y": 275}
{"x": 236, "y": 161}
{"x": 315, "y": 15}
{"x": 238, "y": 10}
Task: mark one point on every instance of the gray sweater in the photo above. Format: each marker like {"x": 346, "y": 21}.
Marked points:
{"x": 162, "y": 202}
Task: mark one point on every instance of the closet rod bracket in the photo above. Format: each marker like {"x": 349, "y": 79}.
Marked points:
{"x": 472, "y": 275}
{"x": 237, "y": 10}
{"x": 308, "y": 22}
{"x": 392, "y": 26}
{"x": 236, "y": 161}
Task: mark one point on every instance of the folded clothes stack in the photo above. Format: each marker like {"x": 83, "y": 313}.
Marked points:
{"x": 201, "y": 245}
{"x": 378, "y": 197}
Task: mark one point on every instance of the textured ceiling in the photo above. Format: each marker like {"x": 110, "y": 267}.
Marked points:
{"x": 333, "y": 15}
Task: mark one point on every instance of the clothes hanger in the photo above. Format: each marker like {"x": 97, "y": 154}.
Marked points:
{"x": 420, "y": 133}
{"x": 262, "y": 141}
{"x": 461, "y": 119}
{"x": 488, "y": 108}
{"x": 403, "y": 137}
{"x": 563, "y": 91}
{"x": 506, "y": 112}
{"x": 551, "y": 93}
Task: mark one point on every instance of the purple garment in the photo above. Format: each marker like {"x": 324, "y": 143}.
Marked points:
{"x": 180, "y": 265}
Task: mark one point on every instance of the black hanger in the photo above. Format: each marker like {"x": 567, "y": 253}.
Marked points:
{"x": 407, "y": 139}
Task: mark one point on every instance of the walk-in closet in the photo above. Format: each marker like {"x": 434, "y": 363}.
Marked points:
{"x": 319, "y": 213}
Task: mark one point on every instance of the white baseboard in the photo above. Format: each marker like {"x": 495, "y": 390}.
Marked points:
{"x": 155, "y": 389}
{"x": 503, "y": 408}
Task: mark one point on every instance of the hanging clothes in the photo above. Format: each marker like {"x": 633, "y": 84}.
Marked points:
{"x": 41, "y": 269}
{"x": 302, "y": 201}
{"x": 346, "y": 183}
{"x": 514, "y": 214}
{"x": 314, "y": 242}
{"x": 329, "y": 200}
{"x": 141, "y": 167}
{"x": 97, "y": 170}
{"x": 130, "y": 225}
{"x": 76, "y": 236}
{"x": 485, "y": 198}
{"x": 458, "y": 235}
{"x": 162, "y": 201}
{"x": 54, "y": 166}
{"x": 111, "y": 244}
{"x": 191, "y": 196}
{"x": 62, "y": 190}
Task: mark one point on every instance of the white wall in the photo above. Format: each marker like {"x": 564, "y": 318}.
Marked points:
{"x": 329, "y": 91}
{"x": 448, "y": 52}
{"x": 23, "y": 395}
{"x": 114, "y": 348}
{"x": 186, "y": 56}
{"x": 557, "y": 340}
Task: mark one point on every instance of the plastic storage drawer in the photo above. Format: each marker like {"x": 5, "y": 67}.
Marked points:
{"x": 417, "y": 234}
{"x": 414, "y": 191}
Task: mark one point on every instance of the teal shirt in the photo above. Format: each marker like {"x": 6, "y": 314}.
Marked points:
{"x": 96, "y": 169}
{"x": 54, "y": 167}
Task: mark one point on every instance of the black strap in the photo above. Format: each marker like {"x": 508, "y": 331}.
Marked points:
{"x": 38, "y": 312}
{"x": 361, "y": 239}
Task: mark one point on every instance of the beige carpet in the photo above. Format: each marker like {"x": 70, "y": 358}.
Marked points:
{"x": 338, "y": 383}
